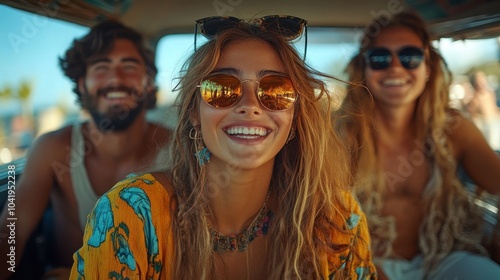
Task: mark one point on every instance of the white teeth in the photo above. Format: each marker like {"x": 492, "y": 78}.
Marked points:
{"x": 245, "y": 131}
{"x": 394, "y": 82}
{"x": 116, "y": 94}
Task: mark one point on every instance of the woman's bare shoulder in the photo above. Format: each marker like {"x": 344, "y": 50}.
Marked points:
{"x": 463, "y": 133}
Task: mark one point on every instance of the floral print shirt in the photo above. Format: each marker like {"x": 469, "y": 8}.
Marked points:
{"x": 128, "y": 236}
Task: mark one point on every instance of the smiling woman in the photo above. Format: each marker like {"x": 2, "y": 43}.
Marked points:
{"x": 406, "y": 142}
{"x": 249, "y": 193}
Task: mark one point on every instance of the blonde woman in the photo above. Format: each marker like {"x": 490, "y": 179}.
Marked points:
{"x": 407, "y": 143}
{"x": 257, "y": 187}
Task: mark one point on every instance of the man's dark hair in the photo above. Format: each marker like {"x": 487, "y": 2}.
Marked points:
{"x": 100, "y": 40}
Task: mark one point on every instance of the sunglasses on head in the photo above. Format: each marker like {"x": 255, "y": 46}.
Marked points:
{"x": 380, "y": 58}
{"x": 289, "y": 27}
{"x": 274, "y": 92}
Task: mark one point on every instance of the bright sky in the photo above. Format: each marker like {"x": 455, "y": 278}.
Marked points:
{"x": 29, "y": 49}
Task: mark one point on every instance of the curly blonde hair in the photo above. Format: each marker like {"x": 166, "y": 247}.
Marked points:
{"x": 440, "y": 232}
{"x": 309, "y": 172}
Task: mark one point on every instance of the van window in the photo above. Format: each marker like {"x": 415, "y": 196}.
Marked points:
{"x": 35, "y": 96}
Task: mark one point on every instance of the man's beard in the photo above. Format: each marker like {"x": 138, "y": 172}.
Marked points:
{"x": 118, "y": 117}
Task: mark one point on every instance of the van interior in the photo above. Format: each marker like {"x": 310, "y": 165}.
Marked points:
{"x": 467, "y": 32}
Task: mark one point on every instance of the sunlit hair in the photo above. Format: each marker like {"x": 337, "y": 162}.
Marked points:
{"x": 309, "y": 172}
{"x": 434, "y": 120}
{"x": 100, "y": 40}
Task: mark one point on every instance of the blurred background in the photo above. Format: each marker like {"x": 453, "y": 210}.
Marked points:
{"x": 35, "y": 97}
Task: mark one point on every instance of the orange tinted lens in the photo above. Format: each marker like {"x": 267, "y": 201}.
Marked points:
{"x": 221, "y": 90}
{"x": 277, "y": 93}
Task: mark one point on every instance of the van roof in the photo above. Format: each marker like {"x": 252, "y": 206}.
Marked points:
{"x": 153, "y": 18}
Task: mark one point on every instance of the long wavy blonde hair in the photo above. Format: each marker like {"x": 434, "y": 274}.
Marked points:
{"x": 451, "y": 222}
{"x": 309, "y": 172}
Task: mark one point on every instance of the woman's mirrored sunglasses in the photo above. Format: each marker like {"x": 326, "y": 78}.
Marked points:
{"x": 289, "y": 27}
{"x": 274, "y": 92}
{"x": 380, "y": 58}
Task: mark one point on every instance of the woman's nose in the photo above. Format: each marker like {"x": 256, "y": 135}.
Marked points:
{"x": 249, "y": 102}
{"x": 395, "y": 61}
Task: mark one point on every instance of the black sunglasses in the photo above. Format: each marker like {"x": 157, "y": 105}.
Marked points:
{"x": 289, "y": 27}
{"x": 381, "y": 58}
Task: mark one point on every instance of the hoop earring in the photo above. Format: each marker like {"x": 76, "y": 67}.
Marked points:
{"x": 193, "y": 134}
{"x": 202, "y": 154}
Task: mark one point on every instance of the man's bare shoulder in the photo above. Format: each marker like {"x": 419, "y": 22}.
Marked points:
{"x": 47, "y": 150}
{"x": 54, "y": 141}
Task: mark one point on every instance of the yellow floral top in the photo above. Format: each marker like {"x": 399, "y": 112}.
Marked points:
{"x": 128, "y": 236}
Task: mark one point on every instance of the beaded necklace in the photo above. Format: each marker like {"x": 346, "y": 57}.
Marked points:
{"x": 232, "y": 243}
